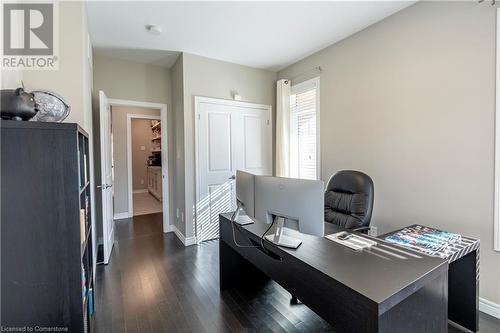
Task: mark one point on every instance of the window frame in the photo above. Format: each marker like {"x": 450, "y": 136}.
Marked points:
{"x": 298, "y": 88}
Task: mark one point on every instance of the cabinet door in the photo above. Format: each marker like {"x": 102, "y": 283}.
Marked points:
{"x": 149, "y": 178}
{"x": 154, "y": 182}
{"x": 158, "y": 184}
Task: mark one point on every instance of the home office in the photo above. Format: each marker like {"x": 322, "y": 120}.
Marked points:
{"x": 398, "y": 282}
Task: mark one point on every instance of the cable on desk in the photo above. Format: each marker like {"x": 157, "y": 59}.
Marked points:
{"x": 234, "y": 216}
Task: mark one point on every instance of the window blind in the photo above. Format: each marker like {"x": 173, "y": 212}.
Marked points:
{"x": 303, "y": 145}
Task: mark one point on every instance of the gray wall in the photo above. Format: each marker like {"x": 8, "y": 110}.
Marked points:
{"x": 411, "y": 101}
{"x": 213, "y": 78}
{"x": 120, "y": 168}
{"x": 141, "y": 137}
{"x": 178, "y": 112}
{"x": 121, "y": 79}
{"x": 73, "y": 79}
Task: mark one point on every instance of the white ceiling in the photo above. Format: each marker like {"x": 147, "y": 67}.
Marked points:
{"x": 269, "y": 35}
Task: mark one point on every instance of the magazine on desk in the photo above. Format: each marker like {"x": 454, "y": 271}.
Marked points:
{"x": 423, "y": 239}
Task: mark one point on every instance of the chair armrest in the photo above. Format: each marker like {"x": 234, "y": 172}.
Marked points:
{"x": 361, "y": 229}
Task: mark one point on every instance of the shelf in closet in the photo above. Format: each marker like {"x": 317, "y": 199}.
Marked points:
{"x": 155, "y": 126}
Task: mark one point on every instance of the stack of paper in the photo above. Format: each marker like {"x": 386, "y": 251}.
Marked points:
{"x": 352, "y": 241}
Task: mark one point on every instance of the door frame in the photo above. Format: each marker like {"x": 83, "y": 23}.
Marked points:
{"x": 218, "y": 101}
{"x": 130, "y": 193}
{"x": 164, "y": 156}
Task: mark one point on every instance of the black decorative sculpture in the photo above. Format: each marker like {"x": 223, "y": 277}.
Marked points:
{"x": 16, "y": 104}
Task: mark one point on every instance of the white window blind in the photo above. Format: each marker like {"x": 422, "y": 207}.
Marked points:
{"x": 304, "y": 130}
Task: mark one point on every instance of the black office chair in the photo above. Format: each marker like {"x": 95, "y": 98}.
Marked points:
{"x": 349, "y": 200}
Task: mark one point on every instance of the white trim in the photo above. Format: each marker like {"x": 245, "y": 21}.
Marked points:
{"x": 139, "y": 104}
{"x": 190, "y": 241}
{"x": 164, "y": 155}
{"x": 489, "y": 307}
{"x": 221, "y": 101}
{"x": 119, "y": 216}
{"x": 218, "y": 101}
{"x": 131, "y": 116}
{"x": 140, "y": 191}
{"x": 497, "y": 144}
{"x": 186, "y": 241}
{"x": 170, "y": 228}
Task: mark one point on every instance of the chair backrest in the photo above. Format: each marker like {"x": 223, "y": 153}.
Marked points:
{"x": 349, "y": 199}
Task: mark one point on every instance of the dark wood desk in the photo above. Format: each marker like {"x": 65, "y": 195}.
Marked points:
{"x": 384, "y": 289}
{"x": 463, "y": 281}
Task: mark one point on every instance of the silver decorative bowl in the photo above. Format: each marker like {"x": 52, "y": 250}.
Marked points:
{"x": 51, "y": 106}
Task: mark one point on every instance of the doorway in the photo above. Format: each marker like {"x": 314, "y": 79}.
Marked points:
{"x": 117, "y": 181}
{"x": 230, "y": 136}
{"x": 144, "y": 160}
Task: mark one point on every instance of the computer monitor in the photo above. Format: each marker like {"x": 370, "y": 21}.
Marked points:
{"x": 245, "y": 198}
{"x": 300, "y": 202}
{"x": 245, "y": 191}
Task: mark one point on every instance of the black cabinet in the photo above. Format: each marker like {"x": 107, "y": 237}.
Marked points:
{"x": 46, "y": 229}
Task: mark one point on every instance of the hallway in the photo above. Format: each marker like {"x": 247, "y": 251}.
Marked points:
{"x": 145, "y": 203}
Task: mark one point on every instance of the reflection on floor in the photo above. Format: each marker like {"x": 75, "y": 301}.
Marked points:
{"x": 145, "y": 203}
{"x": 155, "y": 284}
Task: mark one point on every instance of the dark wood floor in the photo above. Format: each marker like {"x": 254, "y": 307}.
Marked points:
{"x": 154, "y": 284}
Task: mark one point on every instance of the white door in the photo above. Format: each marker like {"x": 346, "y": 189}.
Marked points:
{"x": 230, "y": 136}
{"x": 106, "y": 176}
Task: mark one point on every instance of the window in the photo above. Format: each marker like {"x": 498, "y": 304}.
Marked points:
{"x": 304, "y": 130}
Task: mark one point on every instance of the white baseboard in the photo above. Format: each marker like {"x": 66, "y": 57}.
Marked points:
{"x": 190, "y": 241}
{"x": 140, "y": 191}
{"x": 186, "y": 241}
{"x": 170, "y": 228}
{"x": 119, "y": 216}
{"x": 490, "y": 308}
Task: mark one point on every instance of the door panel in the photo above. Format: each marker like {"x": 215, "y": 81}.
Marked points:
{"x": 106, "y": 176}
{"x": 216, "y": 165}
{"x": 229, "y": 137}
{"x": 221, "y": 197}
{"x": 219, "y": 141}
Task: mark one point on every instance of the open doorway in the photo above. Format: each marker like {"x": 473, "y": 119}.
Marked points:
{"x": 117, "y": 181}
{"x": 146, "y": 153}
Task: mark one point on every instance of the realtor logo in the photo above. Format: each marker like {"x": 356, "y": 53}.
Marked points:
{"x": 29, "y": 36}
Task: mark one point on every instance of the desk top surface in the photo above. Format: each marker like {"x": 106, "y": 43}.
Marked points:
{"x": 451, "y": 252}
{"x": 383, "y": 273}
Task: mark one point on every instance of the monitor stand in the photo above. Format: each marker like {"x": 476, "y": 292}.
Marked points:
{"x": 243, "y": 220}
{"x": 282, "y": 240}
{"x": 240, "y": 219}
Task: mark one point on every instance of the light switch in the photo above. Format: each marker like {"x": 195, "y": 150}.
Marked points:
{"x": 143, "y": 147}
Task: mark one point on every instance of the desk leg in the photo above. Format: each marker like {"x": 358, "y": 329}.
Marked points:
{"x": 463, "y": 292}
{"x": 234, "y": 270}
{"x": 423, "y": 311}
